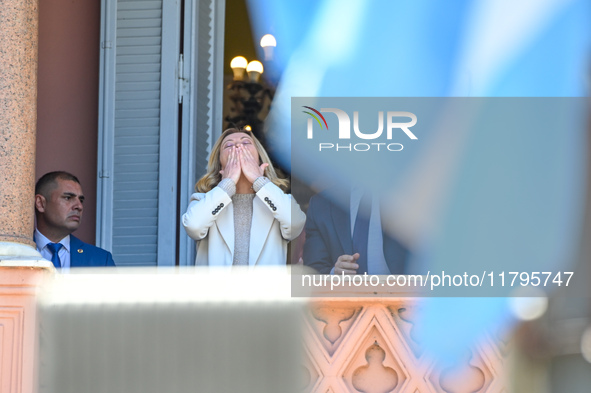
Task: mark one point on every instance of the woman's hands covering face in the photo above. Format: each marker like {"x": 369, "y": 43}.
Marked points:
{"x": 241, "y": 160}
{"x": 250, "y": 166}
{"x": 232, "y": 169}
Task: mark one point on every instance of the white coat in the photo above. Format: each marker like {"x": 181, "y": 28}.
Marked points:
{"x": 210, "y": 220}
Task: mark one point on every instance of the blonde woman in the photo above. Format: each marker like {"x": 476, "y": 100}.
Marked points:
{"x": 241, "y": 215}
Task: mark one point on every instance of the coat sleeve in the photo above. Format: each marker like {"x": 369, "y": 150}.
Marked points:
{"x": 203, "y": 210}
{"x": 285, "y": 209}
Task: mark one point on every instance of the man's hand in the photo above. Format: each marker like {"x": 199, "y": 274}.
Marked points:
{"x": 346, "y": 264}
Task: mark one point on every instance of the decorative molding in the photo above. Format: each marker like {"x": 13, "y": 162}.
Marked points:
{"x": 11, "y": 348}
{"x": 311, "y": 373}
{"x": 404, "y": 316}
{"x": 467, "y": 377}
{"x": 375, "y": 355}
{"x": 375, "y": 376}
{"x": 331, "y": 324}
{"x": 370, "y": 345}
{"x": 19, "y": 287}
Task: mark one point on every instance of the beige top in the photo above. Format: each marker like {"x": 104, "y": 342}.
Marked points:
{"x": 242, "y": 224}
{"x": 242, "y": 218}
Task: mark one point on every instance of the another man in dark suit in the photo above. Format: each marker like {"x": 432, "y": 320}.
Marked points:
{"x": 347, "y": 237}
{"x": 59, "y": 203}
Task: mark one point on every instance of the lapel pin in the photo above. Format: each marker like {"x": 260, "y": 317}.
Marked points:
{"x": 80, "y": 251}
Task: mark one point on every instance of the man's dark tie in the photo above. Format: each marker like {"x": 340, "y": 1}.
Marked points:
{"x": 55, "y": 258}
{"x": 361, "y": 232}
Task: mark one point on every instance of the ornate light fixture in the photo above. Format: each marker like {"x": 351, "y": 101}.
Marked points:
{"x": 250, "y": 97}
{"x": 238, "y": 65}
{"x": 268, "y": 43}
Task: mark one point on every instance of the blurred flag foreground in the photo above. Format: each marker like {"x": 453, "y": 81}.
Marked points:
{"x": 501, "y": 199}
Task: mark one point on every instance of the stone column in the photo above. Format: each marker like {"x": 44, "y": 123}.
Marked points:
{"x": 22, "y": 270}
{"x": 18, "y": 123}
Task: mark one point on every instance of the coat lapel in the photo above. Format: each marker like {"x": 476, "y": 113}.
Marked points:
{"x": 395, "y": 253}
{"x": 76, "y": 256}
{"x": 262, "y": 222}
{"x": 342, "y": 224}
{"x": 225, "y": 223}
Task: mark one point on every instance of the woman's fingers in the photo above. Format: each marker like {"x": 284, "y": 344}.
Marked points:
{"x": 243, "y": 155}
{"x": 235, "y": 159}
{"x": 236, "y": 166}
{"x": 250, "y": 167}
{"x": 249, "y": 159}
{"x": 232, "y": 169}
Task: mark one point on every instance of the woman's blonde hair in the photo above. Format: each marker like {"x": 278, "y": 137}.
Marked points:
{"x": 214, "y": 166}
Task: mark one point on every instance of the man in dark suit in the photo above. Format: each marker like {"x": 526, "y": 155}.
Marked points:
{"x": 59, "y": 203}
{"x": 347, "y": 237}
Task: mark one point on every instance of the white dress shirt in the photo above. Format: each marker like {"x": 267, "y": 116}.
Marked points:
{"x": 63, "y": 253}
